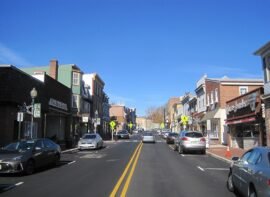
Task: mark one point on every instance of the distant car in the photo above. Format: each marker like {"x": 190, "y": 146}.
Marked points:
{"x": 90, "y": 141}
{"x": 27, "y": 155}
{"x": 190, "y": 141}
{"x": 250, "y": 174}
{"x": 171, "y": 137}
{"x": 148, "y": 137}
{"x": 165, "y": 134}
{"x": 122, "y": 134}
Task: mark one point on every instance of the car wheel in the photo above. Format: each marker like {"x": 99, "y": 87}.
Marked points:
{"x": 175, "y": 148}
{"x": 252, "y": 192}
{"x": 57, "y": 159}
{"x": 30, "y": 167}
{"x": 230, "y": 184}
{"x": 180, "y": 150}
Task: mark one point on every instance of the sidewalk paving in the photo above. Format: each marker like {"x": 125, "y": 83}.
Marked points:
{"x": 221, "y": 152}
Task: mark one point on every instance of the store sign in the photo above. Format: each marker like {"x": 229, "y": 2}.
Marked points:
{"x": 37, "y": 110}
{"x": 58, "y": 104}
{"x": 248, "y": 100}
{"x": 85, "y": 119}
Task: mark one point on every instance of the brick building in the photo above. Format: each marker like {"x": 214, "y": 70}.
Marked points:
{"x": 218, "y": 92}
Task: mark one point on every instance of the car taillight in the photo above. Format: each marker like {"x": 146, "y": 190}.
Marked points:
{"x": 202, "y": 139}
{"x": 185, "y": 139}
{"x": 268, "y": 182}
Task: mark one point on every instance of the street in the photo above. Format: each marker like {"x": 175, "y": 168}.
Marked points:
{"x": 158, "y": 171}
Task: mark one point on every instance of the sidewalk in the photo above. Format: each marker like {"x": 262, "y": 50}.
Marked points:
{"x": 221, "y": 152}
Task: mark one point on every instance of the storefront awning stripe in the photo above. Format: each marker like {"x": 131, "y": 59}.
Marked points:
{"x": 241, "y": 121}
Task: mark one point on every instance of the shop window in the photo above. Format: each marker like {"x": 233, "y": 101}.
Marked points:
{"x": 216, "y": 95}
{"x": 76, "y": 78}
{"x": 75, "y": 101}
{"x": 243, "y": 90}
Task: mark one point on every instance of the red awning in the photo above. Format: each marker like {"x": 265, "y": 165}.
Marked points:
{"x": 251, "y": 119}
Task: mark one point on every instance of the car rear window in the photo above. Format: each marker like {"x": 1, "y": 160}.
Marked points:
{"x": 193, "y": 134}
{"x": 89, "y": 136}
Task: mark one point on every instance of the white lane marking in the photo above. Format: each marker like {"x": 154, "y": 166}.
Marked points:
{"x": 200, "y": 168}
{"x": 93, "y": 156}
{"x": 71, "y": 162}
{"x": 221, "y": 169}
{"x": 20, "y": 183}
{"x": 112, "y": 160}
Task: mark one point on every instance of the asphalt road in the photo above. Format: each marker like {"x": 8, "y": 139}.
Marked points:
{"x": 158, "y": 171}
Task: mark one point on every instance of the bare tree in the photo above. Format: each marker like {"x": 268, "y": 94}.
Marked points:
{"x": 156, "y": 114}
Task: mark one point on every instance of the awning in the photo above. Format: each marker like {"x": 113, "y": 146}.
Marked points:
{"x": 251, "y": 119}
{"x": 211, "y": 114}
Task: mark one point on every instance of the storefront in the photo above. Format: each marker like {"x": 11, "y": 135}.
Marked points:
{"x": 245, "y": 120}
{"x": 53, "y": 99}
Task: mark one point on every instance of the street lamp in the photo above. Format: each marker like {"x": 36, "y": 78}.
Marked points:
{"x": 96, "y": 118}
{"x": 33, "y": 95}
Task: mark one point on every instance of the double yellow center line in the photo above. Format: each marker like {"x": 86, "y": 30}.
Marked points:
{"x": 134, "y": 160}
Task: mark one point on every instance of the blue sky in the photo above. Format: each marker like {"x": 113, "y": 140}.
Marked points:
{"x": 146, "y": 51}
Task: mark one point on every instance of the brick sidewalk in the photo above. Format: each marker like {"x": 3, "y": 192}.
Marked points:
{"x": 221, "y": 152}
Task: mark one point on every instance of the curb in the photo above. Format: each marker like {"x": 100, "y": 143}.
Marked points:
{"x": 69, "y": 150}
{"x": 219, "y": 157}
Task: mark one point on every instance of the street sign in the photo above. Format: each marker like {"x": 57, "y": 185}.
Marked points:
{"x": 85, "y": 119}
{"x": 37, "y": 110}
{"x": 20, "y": 116}
{"x": 98, "y": 121}
{"x": 112, "y": 124}
{"x": 130, "y": 125}
{"x": 162, "y": 125}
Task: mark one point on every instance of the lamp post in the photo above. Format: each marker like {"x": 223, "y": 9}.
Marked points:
{"x": 96, "y": 118}
{"x": 33, "y": 95}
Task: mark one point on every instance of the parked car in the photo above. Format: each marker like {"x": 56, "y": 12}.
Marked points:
{"x": 250, "y": 174}
{"x": 90, "y": 141}
{"x": 148, "y": 137}
{"x": 165, "y": 134}
{"x": 27, "y": 155}
{"x": 122, "y": 134}
{"x": 171, "y": 137}
{"x": 190, "y": 141}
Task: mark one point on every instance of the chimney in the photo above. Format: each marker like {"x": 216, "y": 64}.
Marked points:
{"x": 54, "y": 69}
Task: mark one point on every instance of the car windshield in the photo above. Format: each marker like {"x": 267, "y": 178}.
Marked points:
{"x": 92, "y": 136}
{"x": 173, "y": 134}
{"x": 122, "y": 132}
{"x": 148, "y": 134}
{"x": 193, "y": 134}
{"x": 20, "y": 146}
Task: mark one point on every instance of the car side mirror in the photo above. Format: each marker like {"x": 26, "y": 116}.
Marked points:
{"x": 235, "y": 158}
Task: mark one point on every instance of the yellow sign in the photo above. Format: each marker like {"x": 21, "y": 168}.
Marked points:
{"x": 112, "y": 124}
{"x": 162, "y": 125}
{"x": 130, "y": 125}
{"x": 184, "y": 119}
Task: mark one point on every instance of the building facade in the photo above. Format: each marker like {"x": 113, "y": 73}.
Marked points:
{"x": 245, "y": 120}
{"x": 264, "y": 53}
{"x": 69, "y": 75}
{"x": 218, "y": 92}
{"x": 53, "y": 99}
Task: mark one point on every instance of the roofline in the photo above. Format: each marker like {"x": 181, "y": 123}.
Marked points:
{"x": 261, "y": 50}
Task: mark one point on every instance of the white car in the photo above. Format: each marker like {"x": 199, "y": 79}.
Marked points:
{"x": 90, "y": 141}
{"x": 148, "y": 137}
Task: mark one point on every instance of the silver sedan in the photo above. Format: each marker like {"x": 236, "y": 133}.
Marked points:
{"x": 250, "y": 174}
{"x": 148, "y": 137}
{"x": 90, "y": 141}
